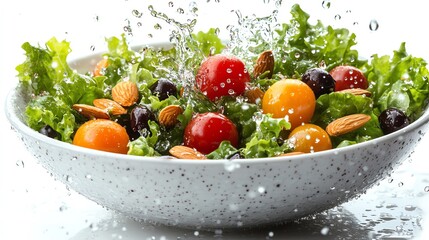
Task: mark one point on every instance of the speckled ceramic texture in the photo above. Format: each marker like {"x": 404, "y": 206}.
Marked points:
{"x": 218, "y": 193}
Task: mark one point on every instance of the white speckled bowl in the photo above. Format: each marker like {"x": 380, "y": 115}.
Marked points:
{"x": 217, "y": 193}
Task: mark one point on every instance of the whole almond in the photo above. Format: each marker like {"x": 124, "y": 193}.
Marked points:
{"x": 264, "y": 64}
{"x": 168, "y": 115}
{"x": 91, "y": 112}
{"x": 109, "y": 106}
{"x": 254, "y": 94}
{"x": 357, "y": 91}
{"x": 347, "y": 124}
{"x": 183, "y": 152}
{"x": 125, "y": 93}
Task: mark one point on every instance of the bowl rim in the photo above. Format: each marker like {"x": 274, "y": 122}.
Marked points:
{"x": 21, "y": 127}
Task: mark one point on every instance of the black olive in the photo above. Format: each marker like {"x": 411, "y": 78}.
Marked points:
{"x": 49, "y": 131}
{"x": 126, "y": 123}
{"x": 392, "y": 119}
{"x": 319, "y": 80}
{"x": 163, "y": 88}
{"x": 139, "y": 118}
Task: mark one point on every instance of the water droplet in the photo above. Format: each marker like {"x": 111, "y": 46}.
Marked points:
{"x": 373, "y": 25}
{"x": 326, "y": 4}
{"x": 400, "y": 184}
{"x": 324, "y": 231}
{"x": 297, "y": 55}
{"x": 337, "y": 17}
{"x": 233, "y": 207}
{"x": 136, "y": 13}
{"x": 88, "y": 176}
{"x": 230, "y": 166}
{"x": 93, "y": 227}
{"x": 261, "y": 189}
{"x": 196, "y": 233}
{"x": 157, "y": 26}
{"x": 426, "y": 189}
{"x": 20, "y": 163}
{"x": 410, "y": 208}
{"x": 69, "y": 179}
{"x": 62, "y": 208}
{"x": 271, "y": 234}
{"x": 229, "y": 70}
{"x": 180, "y": 11}
{"x": 92, "y": 48}
{"x": 170, "y": 4}
{"x": 193, "y": 8}
{"x": 386, "y": 216}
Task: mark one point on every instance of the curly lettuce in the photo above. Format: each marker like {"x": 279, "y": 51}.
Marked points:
{"x": 400, "y": 81}
{"x": 56, "y": 87}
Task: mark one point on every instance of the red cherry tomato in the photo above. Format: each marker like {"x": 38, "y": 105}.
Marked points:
{"x": 347, "y": 77}
{"x": 206, "y": 131}
{"x": 222, "y": 75}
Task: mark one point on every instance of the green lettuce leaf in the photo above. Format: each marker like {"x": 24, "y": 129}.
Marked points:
{"x": 400, "y": 81}
{"x": 264, "y": 140}
{"x": 55, "y": 87}
{"x": 144, "y": 146}
{"x": 224, "y": 151}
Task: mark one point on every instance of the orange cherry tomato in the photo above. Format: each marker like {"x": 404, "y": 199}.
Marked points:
{"x": 292, "y": 99}
{"x": 309, "y": 138}
{"x": 100, "y": 67}
{"x": 102, "y": 134}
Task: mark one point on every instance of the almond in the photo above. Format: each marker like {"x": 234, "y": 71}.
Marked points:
{"x": 290, "y": 154}
{"x": 109, "y": 106}
{"x": 91, "y": 112}
{"x": 125, "y": 93}
{"x": 168, "y": 115}
{"x": 357, "y": 91}
{"x": 264, "y": 64}
{"x": 183, "y": 152}
{"x": 254, "y": 95}
{"x": 347, "y": 124}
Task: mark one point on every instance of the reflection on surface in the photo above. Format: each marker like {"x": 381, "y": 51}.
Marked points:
{"x": 346, "y": 226}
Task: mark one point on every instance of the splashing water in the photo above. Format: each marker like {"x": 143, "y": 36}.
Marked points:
{"x": 181, "y": 37}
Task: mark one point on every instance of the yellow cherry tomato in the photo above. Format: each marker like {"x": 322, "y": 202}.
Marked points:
{"x": 292, "y": 99}
{"x": 309, "y": 138}
{"x": 102, "y": 134}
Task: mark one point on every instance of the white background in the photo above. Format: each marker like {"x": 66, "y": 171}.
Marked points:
{"x": 35, "y": 206}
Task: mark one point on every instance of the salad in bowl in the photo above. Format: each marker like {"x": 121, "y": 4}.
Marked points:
{"x": 296, "y": 117}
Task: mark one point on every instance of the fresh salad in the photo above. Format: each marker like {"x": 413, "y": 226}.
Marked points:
{"x": 307, "y": 90}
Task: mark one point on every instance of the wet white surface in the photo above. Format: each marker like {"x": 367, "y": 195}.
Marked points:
{"x": 35, "y": 206}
